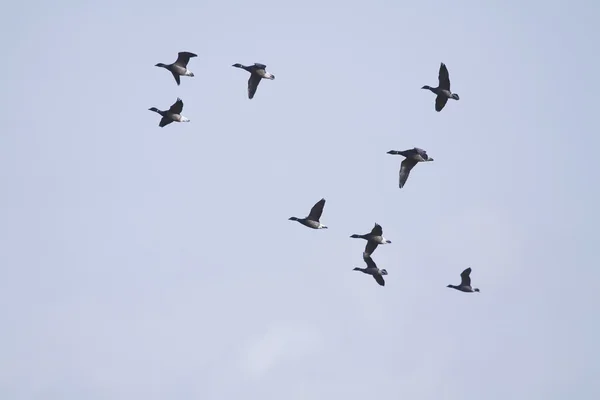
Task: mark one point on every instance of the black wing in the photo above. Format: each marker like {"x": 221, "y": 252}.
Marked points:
{"x": 176, "y": 76}
{"x": 379, "y": 279}
{"x": 260, "y": 66}
{"x": 369, "y": 261}
{"x": 443, "y": 77}
{"x": 377, "y": 230}
{"x": 405, "y": 168}
{"x": 184, "y": 57}
{"x": 465, "y": 278}
{"x": 253, "y": 82}
{"x": 440, "y": 102}
{"x": 165, "y": 121}
{"x": 316, "y": 211}
{"x": 370, "y": 247}
{"x": 177, "y": 107}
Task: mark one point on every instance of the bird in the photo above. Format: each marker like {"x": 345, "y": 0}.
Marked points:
{"x": 443, "y": 90}
{"x": 465, "y": 282}
{"x": 413, "y": 156}
{"x": 257, "y": 73}
{"x": 312, "y": 221}
{"x": 172, "y": 114}
{"x": 372, "y": 269}
{"x": 374, "y": 239}
{"x": 179, "y": 67}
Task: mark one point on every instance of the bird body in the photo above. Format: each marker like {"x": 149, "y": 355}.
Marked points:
{"x": 413, "y": 157}
{"x": 373, "y": 238}
{"x": 372, "y": 269}
{"x": 442, "y": 91}
{"x": 173, "y": 114}
{"x": 258, "y": 72}
{"x": 313, "y": 218}
{"x": 465, "y": 282}
{"x": 179, "y": 67}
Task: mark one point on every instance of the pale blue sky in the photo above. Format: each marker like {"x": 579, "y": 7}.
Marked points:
{"x": 147, "y": 263}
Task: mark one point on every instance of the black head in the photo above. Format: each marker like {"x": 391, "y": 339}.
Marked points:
{"x": 161, "y": 65}
{"x": 153, "y": 109}
{"x": 450, "y": 286}
{"x": 384, "y": 272}
{"x": 356, "y": 269}
{"x": 426, "y": 87}
{"x": 355, "y": 236}
{"x": 476, "y": 290}
{"x": 237, "y": 65}
{"x": 293, "y": 219}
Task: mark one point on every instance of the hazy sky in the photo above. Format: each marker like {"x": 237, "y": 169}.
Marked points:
{"x": 147, "y": 263}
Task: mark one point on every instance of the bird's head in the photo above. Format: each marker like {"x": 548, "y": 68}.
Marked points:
{"x": 161, "y": 65}
{"x": 384, "y": 272}
{"x": 293, "y": 219}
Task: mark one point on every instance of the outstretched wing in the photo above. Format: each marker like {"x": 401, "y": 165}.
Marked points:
{"x": 316, "y": 211}
{"x": 405, "y": 168}
{"x": 369, "y": 261}
{"x": 177, "y": 107}
{"x": 253, "y": 82}
{"x": 164, "y": 121}
{"x": 377, "y": 230}
{"x": 370, "y": 247}
{"x": 260, "y": 66}
{"x": 465, "y": 277}
{"x": 440, "y": 102}
{"x": 183, "y": 57}
{"x": 444, "y": 77}
{"x": 176, "y": 76}
{"x": 379, "y": 279}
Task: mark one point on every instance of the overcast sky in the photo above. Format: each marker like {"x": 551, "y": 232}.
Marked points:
{"x": 139, "y": 262}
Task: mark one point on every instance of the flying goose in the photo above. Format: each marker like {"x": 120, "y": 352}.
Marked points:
{"x": 465, "y": 282}
{"x": 172, "y": 114}
{"x": 443, "y": 90}
{"x": 413, "y": 156}
{"x": 257, "y": 73}
{"x": 374, "y": 238}
{"x": 312, "y": 221}
{"x": 372, "y": 269}
{"x": 179, "y": 67}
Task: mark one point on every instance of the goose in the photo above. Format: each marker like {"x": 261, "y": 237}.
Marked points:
{"x": 179, "y": 67}
{"x": 413, "y": 156}
{"x": 443, "y": 90}
{"x": 312, "y": 221}
{"x": 257, "y": 73}
{"x": 465, "y": 282}
{"x": 372, "y": 269}
{"x": 172, "y": 114}
{"x": 374, "y": 239}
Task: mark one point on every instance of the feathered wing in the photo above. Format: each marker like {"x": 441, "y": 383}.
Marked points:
{"x": 377, "y": 230}
{"x": 177, "y": 107}
{"x": 440, "y": 102}
{"x": 164, "y": 121}
{"x": 405, "y": 168}
{"x": 316, "y": 211}
{"x": 370, "y": 247}
{"x": 183, "y": 57}
{"x": 253, "y": 82}
{"x": 444, "y": 77}
{"x": 379, "y": 279}
{"x": 465, "y": 277}
{"x": 176, "y": 76}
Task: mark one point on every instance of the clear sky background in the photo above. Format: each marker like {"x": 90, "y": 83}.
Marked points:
{"x": 146, "y": 263}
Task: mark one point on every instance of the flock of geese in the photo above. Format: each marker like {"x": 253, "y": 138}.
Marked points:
{"x": 412, "y": 157}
